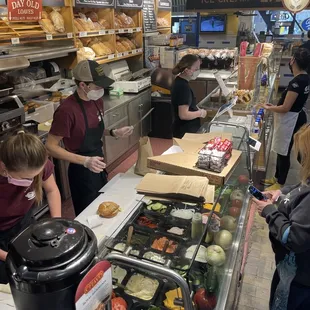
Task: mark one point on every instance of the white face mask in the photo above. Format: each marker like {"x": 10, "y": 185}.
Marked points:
{"x": 95, "y": 94}
{"x": 195, "y": 75}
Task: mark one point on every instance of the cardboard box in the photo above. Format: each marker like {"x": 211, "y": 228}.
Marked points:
{"x": 205, "y": 137}
{"x": 183, "y": 188}
{"x": 185, "y": 164}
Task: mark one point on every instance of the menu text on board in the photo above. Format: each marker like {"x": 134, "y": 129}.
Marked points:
{"x": 129, "y": 4}
{"x": 232, "y": 4}
{"x": 165, "y": 4}
{"x": 101, "y": 3}
{"x": 149, "y": 17}
{"x": 24, "y": 10}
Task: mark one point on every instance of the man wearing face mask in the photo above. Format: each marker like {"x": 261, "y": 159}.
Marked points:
{"x": 186, "y": 113}
{"x": 78, "y": 122}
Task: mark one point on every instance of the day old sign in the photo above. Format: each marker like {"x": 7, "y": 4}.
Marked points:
{"x": 24, "y": 10}
{"x": 295, "y": 5}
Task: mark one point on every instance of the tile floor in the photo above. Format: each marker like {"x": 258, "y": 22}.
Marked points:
{"x": 260, "y": 263}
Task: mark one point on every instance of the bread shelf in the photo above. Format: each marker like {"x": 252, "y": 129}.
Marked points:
{"x": 119, "y": 56}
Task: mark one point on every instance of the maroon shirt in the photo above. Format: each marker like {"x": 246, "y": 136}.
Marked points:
{"x": 16, "y": 201}
{"x": 69, "y": 123}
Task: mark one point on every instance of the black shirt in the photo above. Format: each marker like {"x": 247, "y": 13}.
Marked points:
{"x": 300, "y": 84}
{"x": 182, "y": 94}
{"x": 306, "y": 45}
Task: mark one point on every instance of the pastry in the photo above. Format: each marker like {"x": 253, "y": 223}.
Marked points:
{"x": 108, "y": 209}
{"x": 93, "y": 16}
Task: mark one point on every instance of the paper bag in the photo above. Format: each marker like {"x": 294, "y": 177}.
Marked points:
{"x": 145, "y": 151}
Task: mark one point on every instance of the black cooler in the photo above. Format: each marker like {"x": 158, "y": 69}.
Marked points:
{"x": 46, "y": 263}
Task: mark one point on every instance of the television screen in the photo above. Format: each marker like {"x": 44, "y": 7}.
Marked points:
{"x": 213, "y": 23}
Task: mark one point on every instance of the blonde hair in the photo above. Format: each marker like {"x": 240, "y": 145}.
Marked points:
{"x": 302, "y": 148}
{"x": 25, "y": 151}
{"x": 187, "y": 61}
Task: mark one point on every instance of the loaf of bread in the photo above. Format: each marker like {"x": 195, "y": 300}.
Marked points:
{"x": 105, "y": 49}
{"x": 85, "y": 53}
{"x": 89, "y": 25}
{"x": 131, "y": 44}
{"x": 93, "y": 16}
{"x": 79, "y": 43}
{"x": 120, "y": 48}
{"x": 97, "y": 26}
{"x": 117, "y": 23}
{"x": 58, "y": 21}
{"x": 125, "y": 44}
{"x": 45, "y": 15}
{"x": 110, "y": 46}
{"x": 108, "y": 209}
{"x": 47, "y": 25}
{"x": 80, "y": 24}
{"x": 104, "y": 23}
{"x": 126, "y": 20}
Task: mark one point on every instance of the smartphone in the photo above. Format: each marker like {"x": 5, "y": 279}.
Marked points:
{"x": 256, "y": 193}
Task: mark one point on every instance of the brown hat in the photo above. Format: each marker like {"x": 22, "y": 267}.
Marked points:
{"x": 90, "y": 71}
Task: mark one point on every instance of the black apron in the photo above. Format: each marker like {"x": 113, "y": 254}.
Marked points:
{"x": 85, "y": 184}
{"x": 7, "y": 235}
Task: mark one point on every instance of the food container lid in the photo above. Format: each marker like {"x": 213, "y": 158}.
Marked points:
{"x": 49, "y": 244}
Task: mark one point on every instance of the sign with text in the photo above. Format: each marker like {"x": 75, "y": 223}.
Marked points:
{"x": 129, "y": 4}
{"x": 165, "y": 4}
{"x": 94, "y": 3}
{"x": 149, "y": 17}
{"x": 234, "y": 4}
{"x": 57, "y": 3}
{"x": 295, "y": 5}
{"x": 306, "y": 24}
{"x": 24, "y": 10}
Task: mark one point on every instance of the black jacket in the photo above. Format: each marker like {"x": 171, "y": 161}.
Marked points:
{"x": 306, "y": 45}
{"x": 293, "y": 211}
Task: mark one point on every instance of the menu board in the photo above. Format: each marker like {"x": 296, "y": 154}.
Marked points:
{"x": 164, "y": 4}
{"x": 101, "y": 3}
{"x": 232, "y": 4}
{"x": 129, "y": 4}
{"x": 149, "y": 16}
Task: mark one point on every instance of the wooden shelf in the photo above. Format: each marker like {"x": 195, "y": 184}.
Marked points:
{"x": 120, "y": 56}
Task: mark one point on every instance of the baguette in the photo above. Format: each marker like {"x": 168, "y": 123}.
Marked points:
{"x": 58, "y": 21}
{"x": 47, "y": 25}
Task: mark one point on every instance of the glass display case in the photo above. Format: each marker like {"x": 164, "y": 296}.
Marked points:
{"x": 200, "y": 243}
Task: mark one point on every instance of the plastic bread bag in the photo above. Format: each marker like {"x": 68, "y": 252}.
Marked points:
{"x": 57, "y": 20}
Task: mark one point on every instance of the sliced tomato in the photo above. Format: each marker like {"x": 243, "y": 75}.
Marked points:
{"x": 119, "y": 303}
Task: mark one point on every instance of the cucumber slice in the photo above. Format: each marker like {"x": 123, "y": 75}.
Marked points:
{"x": 149, "y": 208}
{"x": 156, "y": 206}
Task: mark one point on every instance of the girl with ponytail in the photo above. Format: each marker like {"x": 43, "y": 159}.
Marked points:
{"x": 25, "y": 172}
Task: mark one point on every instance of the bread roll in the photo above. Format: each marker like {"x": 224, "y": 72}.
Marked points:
{"x": 58, "y": 21}
{"x": 108, "y": 209}
{"x": 93, "y": 16}
{"x": 47, "y": 25}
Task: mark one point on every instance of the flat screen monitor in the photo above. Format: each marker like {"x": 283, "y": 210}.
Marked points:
{"x": 213, "y": 23}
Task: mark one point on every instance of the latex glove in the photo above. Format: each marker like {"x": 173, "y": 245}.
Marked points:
{"x": 203, "y": 113}
{"x": 123, "y": 132}
{"x": 95, "y": 164}
{"x": 261, "y": 204}
{"x": 273, "y": 195}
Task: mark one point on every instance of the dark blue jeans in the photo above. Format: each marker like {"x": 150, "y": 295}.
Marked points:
{"x": 299, "y": 298}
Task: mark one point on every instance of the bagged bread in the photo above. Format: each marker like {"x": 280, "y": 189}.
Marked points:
{"x": 58, "y": 21}
{"x": 126, "y": 20}
{"x": 117, "y": 23}
{"x": 79, "y": 24}
{"x": 110, "y": 46}
{"x": 105, "y": 49}
{"x": 85, "y": 53}
{"x": 131, "y": 44}
{"x": 125, "y": 44}
{"x": 104, "y": 23}
{"x": 120, "y": 48}
{"x": 93, "y": 16}
{"x": 45, "y": 15}
{"x": 97, "y": 26}
{"x": 89, "y": 25}
{"x": 47, "y": 25}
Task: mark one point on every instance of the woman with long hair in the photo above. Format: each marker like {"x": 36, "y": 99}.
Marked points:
{"x": 287, "y": 214}
{"x": 25, "y": 172}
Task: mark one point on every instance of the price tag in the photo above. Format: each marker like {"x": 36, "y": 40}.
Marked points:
{"x": 83, "y": 34}
{"x": 70, "y": 35}
{"x": 130, "y": 30}
{"x": 111, "y": 31}
{"x": 49, "y": 37}
{"x": 121, "y": 31}
{"x": 112, "y": 56}
{"x": 139, "y": 29}
{"x": 126, "y": 53}
{"x": 134, "y": 51}
{"x": 120, "y": 55}
{"x": 102, "y": 32}
{"x": 15, "y": 40}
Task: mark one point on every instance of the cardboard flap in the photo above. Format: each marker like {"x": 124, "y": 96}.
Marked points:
{"x": 205, "y": 137}
{"x": 181, "y": 187}
{"x": 188, "y": 146}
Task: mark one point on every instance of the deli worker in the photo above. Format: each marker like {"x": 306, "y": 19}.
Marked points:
{"x": 186, "y": 113}
{"x": 78, "y": 122}
{"x": 24, "y": 171}
{"x": 289, "y": 116}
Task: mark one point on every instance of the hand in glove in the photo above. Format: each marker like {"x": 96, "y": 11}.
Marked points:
{"x": 203, "y": 113}
{"x": 123, "y": 132}
{"x": 95, "y": 164}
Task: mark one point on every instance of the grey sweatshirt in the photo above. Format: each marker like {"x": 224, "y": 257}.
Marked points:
{"x": 289, "y": 227}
